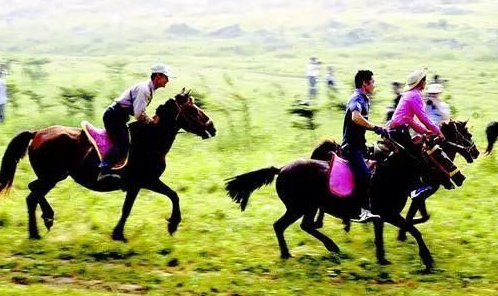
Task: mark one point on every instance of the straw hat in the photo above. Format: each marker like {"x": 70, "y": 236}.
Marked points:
{"x": 413, "y": 79}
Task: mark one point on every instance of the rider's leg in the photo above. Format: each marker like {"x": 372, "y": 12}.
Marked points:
{"x": 115, "y": 125}
{"x": 360, "y": 198}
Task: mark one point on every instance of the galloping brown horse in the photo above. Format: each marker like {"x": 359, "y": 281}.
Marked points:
{"x": 57, "y": 152}
{"x": 302, "y": 185}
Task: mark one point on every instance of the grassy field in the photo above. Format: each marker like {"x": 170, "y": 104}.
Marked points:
{"x": 248, "y": 87}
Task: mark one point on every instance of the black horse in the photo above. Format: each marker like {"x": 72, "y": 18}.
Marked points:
{"x": 491, "y": 134}
{"x": 458, "y": 141}
{"x": 57, "y": 152}
{"x": 302, "y": 186}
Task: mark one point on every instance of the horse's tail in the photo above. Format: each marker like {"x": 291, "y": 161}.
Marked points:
{"x": 491, "y": 134}
{"x": 15, "y": 151}
{"x": 241, "y": 187}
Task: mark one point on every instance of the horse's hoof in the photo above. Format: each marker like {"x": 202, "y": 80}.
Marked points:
{"x": 35, "y": 236}
{"x": 119, "y": 237}
{"x": 384, "y": 262}
{"x": 347, "y": 226}
{"x": 333, "y": 249}
{"x": 427, "y": 270}
{"x": 285, "y": 256}
{"x": 172, "y": 227}
{"x": 49, "y": 222}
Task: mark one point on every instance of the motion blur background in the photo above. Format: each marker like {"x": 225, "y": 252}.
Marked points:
{"x": 65, "y": 61}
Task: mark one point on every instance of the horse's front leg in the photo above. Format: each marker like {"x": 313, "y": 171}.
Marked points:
{"x": 319, "y": 218}
{"x": 379, "y": 242}
{"x": 424, "y": 252}
{"x": 131, "y": 195}
{"x": 416, "y": 205}
{"x": 159, "y": 187}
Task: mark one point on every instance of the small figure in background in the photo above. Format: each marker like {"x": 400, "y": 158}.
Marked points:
{"x": 312, "y": 71}
{"x": 438, "y": 80}
{"x": 330, "y": 79}
{"x": 396, "y": 88}
{"x": 3, "y": 92}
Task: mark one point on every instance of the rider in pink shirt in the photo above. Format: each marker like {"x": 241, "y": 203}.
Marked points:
{"x": 411, "y": 108}
{"x": 411, "y": 113}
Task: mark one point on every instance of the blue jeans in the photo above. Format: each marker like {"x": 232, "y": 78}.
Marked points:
{"x": 362, "y": 176}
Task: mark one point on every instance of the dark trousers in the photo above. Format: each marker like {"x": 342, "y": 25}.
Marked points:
{"x": 115, "y": 119}
{"x": 361, "y": 176}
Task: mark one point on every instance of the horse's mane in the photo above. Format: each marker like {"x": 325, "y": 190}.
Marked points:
{"x": 323, "y": 150}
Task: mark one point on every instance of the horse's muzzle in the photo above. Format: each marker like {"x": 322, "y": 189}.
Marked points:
{"x": 458, "y": 179}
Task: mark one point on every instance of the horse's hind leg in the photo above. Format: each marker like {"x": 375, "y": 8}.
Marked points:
{"x": 39, "y": 188}
{"x": 287, "y": 219}
{"x": 32, "y": 202}
{"x": 308, "y": 225}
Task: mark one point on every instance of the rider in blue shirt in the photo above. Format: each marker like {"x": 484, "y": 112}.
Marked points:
{"x": 355, "y": 125}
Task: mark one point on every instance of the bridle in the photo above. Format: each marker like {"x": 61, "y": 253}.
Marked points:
{"x": 432, "y": 158}
{"x": 461, "y": 138}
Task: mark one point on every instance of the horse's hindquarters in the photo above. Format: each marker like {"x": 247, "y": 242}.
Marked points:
{"x": 302, "y": 183}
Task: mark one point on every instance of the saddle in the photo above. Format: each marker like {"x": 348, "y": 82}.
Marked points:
{"x": 101, "y": 142}
{"x": 341, "y": 178}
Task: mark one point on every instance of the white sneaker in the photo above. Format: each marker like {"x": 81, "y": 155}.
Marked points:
{"x": 365, "y": 216}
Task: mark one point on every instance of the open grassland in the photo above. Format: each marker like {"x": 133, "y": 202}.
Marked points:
{"x": 247, "y": 87}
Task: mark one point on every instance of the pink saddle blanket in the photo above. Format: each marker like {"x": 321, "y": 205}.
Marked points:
{"x": 101, "y": 142}
{"x": 341, "y": 178}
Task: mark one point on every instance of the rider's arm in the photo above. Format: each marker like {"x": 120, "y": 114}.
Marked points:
{"x": 361, "y": 121}
{"x": 139, "y": 105}
{"x": 418, "y": 109}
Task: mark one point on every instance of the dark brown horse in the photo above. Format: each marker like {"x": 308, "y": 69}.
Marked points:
{"x": 302, "y": 186}
{"x": 57, "y": 152}
{"x": 458, "y": 141}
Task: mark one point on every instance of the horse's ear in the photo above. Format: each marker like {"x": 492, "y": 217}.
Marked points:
{"x": 188, "y": 93}
{"x": 465, "y": 123}
{"x": 183, "y": 90}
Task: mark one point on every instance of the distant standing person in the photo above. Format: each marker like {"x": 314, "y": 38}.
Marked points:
{"x": 396, "y": 88}
{"x": 312, "y": 71}
{"x": 3, "y": 93}
{"x": 437, "y": 110}
{"x": 330, "y": 79}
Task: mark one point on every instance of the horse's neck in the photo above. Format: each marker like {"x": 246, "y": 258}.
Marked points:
{"x": 158, "y": 138}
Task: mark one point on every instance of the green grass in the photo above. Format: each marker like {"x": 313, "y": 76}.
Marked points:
{"x": 248, "y": 90}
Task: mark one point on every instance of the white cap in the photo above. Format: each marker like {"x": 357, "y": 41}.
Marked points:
{"x": 435, "y": 88}
{"x": 163, "y": 69}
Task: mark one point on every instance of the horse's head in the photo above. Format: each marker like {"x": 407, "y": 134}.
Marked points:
{"x": 445, "y": 170}
{"x": 182, "y": 111}
{"x": 459, "y": 140}
{"x": 324, "y": 150}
